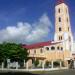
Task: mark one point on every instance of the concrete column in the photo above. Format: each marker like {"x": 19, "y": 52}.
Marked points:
{"x": 8, "y": 65}
{"x": 16, "y": 65}
{"x": 43, "y": 64}
{"x": 24, "y": 63}
{"x": 52, "y": 63}
{"x": 60, "y": 64}
{"x": 74, "y": 64}
{"x": 67, "y": 65}
{"x": 2, "y": 65}
{"x": 27, "y": 65}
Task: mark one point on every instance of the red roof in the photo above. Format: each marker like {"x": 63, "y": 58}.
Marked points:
{"x": 38, "y": 45}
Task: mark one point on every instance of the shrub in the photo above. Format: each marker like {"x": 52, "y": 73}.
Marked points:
{"x": 36, "y": 62}
{"x": 56, "y": 63}
{"x": 47, "y": 64}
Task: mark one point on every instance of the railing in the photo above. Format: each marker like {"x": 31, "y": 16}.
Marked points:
{"x": 36, "y": 55}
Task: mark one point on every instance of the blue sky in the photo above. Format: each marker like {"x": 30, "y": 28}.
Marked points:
{"x": 21, "y": 20}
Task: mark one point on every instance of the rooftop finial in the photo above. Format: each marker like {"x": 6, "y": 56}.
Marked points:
{"x": 60, "y": 1}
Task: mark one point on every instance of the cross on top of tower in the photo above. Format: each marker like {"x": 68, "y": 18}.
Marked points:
{"x": 60, "y": 1}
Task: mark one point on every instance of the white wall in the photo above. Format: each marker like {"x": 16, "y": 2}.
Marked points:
{"x": 74, "y": 47}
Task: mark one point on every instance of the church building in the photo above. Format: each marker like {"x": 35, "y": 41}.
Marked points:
{"x": 61, "y": 48}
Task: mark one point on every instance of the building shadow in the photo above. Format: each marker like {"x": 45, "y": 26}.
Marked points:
{"x": 16, "y": 73}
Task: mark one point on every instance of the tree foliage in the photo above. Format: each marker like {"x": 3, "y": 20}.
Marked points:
{"x": 12, "y": 51}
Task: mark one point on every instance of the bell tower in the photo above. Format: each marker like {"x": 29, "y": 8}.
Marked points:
{"x": 62, "y": 26}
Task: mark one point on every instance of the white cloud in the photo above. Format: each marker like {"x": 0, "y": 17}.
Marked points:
{"x": 26, "y": 32}
{"x": 74, "y": 35}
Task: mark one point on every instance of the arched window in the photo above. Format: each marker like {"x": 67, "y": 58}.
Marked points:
{"x": 52, "y": 48}
{"x": 61, "y": 48}
{"x": 67, "y": 19}
{"x": 68, "y": 28}
{"x": 47, "y": 48}
{"x": 59, "y": 10}
{"x": 58, "y": 48}
{"x": 35, "y": 51}
{"x": 41, "y": 50}
{"x": 60, "y": 29}
{"x": 59, "y": 19}
{"x": 66, "y": 10}
{"x": 61, "y": 37}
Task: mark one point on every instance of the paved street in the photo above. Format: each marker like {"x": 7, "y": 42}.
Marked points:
{"x": 61, "y": 72}
{"x": 16, "y": 73}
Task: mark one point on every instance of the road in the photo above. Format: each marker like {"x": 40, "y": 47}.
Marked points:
{"x": 60, "y": 72}
{"x": 16, "y": 73}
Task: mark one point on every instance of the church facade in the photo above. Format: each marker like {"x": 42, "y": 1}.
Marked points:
{"x": 61, "y": 48}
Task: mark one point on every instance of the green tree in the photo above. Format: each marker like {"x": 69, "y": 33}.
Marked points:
{"x": 1, "y": 54}
{"x": 13, "y": 51}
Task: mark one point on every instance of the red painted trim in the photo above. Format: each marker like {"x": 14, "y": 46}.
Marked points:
{"x": 39, "y": 45}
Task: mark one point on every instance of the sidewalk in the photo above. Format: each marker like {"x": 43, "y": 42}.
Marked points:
{"x": 29, "y": 70}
